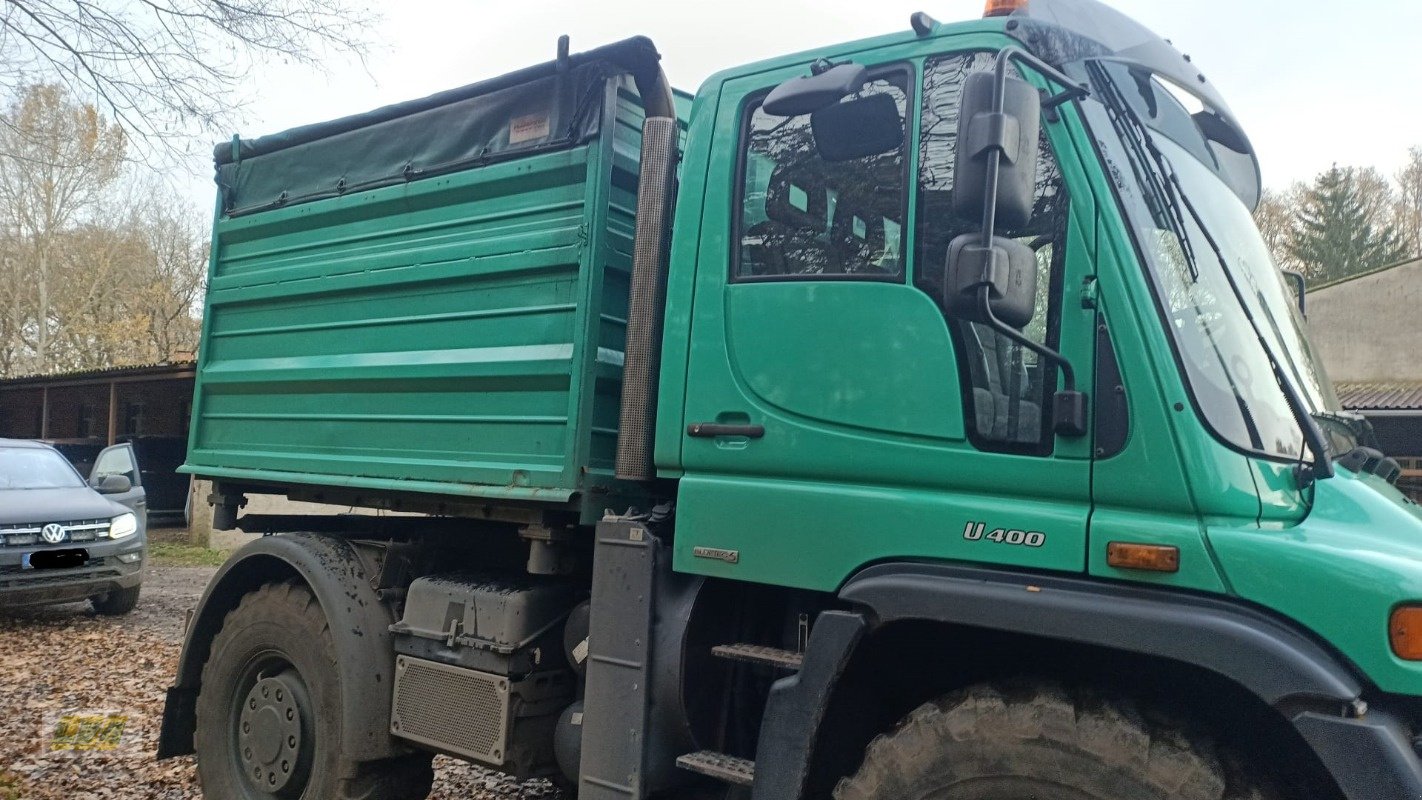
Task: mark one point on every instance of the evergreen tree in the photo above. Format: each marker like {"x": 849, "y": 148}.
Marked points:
{"x": 1341, "y": 229}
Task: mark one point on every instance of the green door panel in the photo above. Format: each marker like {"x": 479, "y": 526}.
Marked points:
{"x": 814, "y": 534}
{"x": 856, "y": 384}
{"x": 875, "y": 356}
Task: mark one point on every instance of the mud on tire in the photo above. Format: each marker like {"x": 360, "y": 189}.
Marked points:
{"x": 279, "y": 634}
{"x": 991, "y": 742}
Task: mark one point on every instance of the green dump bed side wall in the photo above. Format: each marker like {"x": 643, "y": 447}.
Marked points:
{"x": 457, "y": 335}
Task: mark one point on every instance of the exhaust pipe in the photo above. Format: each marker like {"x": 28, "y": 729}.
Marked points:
{"x": 656, "y": 197}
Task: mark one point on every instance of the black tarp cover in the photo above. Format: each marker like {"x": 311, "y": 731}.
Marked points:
{"x": 448, "y": 132}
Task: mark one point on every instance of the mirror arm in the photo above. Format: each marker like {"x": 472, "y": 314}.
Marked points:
{"x": 1068, "y": 374}
{"x": 1069, "y": 414}
{"x": 999, "y": 100}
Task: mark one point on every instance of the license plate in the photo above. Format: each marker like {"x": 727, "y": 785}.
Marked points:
{"x": 54, "y": 559}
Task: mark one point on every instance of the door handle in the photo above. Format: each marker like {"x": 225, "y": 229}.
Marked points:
{"x": 711, "y": 430}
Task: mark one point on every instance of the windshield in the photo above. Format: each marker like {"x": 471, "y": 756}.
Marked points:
{"x": 1226, "y": 365}
{"x": 35, "y": 468}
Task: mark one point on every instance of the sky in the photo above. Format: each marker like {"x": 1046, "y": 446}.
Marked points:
{"x": 1314, "y": 82}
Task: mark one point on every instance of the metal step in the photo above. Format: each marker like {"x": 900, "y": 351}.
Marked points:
{"x": 728, "y": 769}
{"x": 760, "y": 654}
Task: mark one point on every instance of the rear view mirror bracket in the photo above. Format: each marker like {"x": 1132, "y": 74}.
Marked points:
{"x": 998, "y": 147}
{"x": 997, "y": 136}
{"x": 1052, "y": 102}
{"x": 827, "y": 83}
{"x": 1068, "y": 404}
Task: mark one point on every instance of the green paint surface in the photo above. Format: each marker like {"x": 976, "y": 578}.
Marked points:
{"x": 463, "y": 336}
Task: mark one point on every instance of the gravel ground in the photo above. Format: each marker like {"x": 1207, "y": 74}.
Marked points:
{"x": 61, "y": 661}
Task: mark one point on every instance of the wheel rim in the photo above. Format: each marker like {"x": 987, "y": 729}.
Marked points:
{"x": 272, "y": 731}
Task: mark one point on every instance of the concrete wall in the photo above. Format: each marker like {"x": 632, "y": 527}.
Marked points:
{"x": 1366, "y": 329}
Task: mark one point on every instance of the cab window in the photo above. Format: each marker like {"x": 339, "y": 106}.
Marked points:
{"x": 809, "y": 208}
{"x": 1007, "y": 388}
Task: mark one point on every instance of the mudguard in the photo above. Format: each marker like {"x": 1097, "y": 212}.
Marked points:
{"x": 360, "y": 629}
{"x": 1275, "y": 661}
{"x": 1271, "y": 659}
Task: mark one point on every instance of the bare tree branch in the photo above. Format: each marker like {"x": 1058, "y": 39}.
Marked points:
{"x": 169, "y": 70}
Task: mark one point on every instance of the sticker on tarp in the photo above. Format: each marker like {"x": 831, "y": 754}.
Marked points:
{"x": 528, "y": 128}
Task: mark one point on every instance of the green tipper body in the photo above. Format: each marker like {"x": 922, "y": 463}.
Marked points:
{"x": 456, "y": 335}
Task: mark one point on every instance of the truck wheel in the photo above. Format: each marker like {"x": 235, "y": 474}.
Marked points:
{"x": 993, "y": 743}
{"x": 116, "y": 603}
{"x": 269, "y": 711}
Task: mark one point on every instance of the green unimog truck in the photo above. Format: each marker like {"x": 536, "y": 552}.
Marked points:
{"x": 916, "y": 417}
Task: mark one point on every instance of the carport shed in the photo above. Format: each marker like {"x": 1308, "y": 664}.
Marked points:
{"x": 1395, "y": 412}
{"x": 83, "y": 412}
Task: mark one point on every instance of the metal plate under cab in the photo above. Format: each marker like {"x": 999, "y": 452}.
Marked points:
{"x": 717, "y": 554}
{"x": 457, "y": 710}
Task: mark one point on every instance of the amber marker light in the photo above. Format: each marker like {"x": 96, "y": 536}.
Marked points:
{"x": 1001, "y": 8}
{"x": 1149, "y": 557}
{"x": 1404, "y": 630}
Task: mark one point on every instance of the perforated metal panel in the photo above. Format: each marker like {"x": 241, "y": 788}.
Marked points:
{"x": 461, "y": 711}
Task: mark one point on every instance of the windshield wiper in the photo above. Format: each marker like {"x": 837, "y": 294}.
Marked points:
{"x": 1164, "y": 206}
{"x": 1166, "y": 183}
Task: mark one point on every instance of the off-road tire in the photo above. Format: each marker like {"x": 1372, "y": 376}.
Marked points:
{"x": 1036, "y": 741}
{"x": 116, "y": 603}
{"x": 286, "y": 619}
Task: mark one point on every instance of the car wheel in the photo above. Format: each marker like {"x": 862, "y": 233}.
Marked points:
{"x": 116, "y": 603}
{"x": 269, "y": 711}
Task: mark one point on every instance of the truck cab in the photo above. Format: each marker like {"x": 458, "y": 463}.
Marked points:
{"x": 920, "y": 416}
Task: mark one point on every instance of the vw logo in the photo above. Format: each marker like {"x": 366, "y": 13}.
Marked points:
{"x": 53, "y": 533}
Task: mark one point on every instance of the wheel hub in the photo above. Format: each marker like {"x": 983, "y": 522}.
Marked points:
{"x": 269, "y": 736}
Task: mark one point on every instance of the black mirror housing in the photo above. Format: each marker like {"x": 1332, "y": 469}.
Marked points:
{"x": 1008, "y": 270}
{"x": 809, "y": 93}
{"x": 1014, "y": 132}
{"x": 865, "y": 126}
{"x": 113, "y": 484}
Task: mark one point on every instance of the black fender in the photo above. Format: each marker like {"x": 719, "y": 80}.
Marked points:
{"x": 1273, "y": 660}
{"x": 1268, "y": 657}
{"x": 360, "y": 628}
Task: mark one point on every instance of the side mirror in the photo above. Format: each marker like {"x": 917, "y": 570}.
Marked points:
{"x": 1013, "y": 131}
{"x": 113, "y": 484}
{"x": 996, "y": 286}
{"x": 865, "y": 126}
{"x": 1007, "y": 270}
{"x": 807, "y": 93}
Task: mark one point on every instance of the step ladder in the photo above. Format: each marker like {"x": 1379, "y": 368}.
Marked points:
{"x": 761, "y": 655}
{"x": 728, "y": 769}
{"x": 721, "y": 766}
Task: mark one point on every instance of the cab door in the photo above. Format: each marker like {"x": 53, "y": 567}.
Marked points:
{"x": 834, "y": 415}
{"x": 120, "y": 460}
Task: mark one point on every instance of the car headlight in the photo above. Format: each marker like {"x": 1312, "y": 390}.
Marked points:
{"x": 123, "y": 525}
